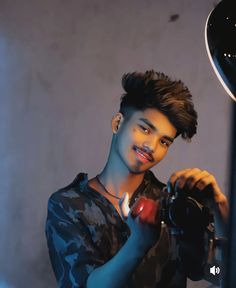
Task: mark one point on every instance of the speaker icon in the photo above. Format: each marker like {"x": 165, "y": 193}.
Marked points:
{"x": 214, "y": 270}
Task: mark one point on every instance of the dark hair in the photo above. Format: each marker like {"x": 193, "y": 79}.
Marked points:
{"x": 156, "y": 90}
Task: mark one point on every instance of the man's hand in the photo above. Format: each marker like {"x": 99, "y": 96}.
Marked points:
{"x": 144, "y": 232}
{"x": 195, "y": 178}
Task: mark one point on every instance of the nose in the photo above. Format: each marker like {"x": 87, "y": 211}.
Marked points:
{"x": 150, "y": 144}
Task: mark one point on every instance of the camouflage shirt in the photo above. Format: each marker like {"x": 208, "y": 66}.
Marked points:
{"x": 84, "y": 231}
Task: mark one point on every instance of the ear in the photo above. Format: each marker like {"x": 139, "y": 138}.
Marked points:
{"x": 116, "y": 122}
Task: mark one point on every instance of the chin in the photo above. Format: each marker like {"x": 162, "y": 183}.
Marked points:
{"x": 135, "y": 166}
{"x": 138, "y": 170}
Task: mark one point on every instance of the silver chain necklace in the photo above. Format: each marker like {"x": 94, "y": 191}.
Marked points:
{"x": 104, "y": 188}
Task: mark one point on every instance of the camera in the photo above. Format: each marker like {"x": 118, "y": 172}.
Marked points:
{"x": 185, "y": 210}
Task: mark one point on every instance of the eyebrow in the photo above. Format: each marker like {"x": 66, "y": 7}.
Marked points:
{"x": 147, "y": 122}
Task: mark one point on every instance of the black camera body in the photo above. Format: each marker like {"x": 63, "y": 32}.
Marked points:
{"x": 185, "y": 211}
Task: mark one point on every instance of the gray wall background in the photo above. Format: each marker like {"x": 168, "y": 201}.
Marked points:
{"x": 60, "y": 68}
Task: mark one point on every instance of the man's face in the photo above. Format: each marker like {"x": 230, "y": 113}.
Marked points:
{"x": 143, "y": 140}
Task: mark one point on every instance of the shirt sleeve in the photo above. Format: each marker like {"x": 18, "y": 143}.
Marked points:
{"x": 72, "y": 251}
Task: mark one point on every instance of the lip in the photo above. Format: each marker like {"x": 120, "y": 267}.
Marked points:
{"x": 143, "y": 156}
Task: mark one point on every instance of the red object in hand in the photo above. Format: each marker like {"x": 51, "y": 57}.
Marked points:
{"x": 148, "y": 210}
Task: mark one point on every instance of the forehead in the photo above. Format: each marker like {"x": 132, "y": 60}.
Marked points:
{"x": 160, "y": 121}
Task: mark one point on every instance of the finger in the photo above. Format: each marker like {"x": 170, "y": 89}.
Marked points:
{"x": 193, "y": 179}
{"x": 173, "y": 178}
{"x": 205, "y": 181}
{"x": 124, "y": 205}
{"x": 215, "y": 189}
{"x": 185, "y": 177}
{"x": 178, "y": 174}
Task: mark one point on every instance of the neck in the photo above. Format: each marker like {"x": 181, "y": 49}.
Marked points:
{"x": 117, "y": 179}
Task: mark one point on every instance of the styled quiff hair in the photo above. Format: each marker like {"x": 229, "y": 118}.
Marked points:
{"x": 156, "y": 90}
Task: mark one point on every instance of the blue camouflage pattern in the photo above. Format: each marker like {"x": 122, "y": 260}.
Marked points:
{"x": 84, "y": 231}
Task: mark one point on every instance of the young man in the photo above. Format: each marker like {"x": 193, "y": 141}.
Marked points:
{"x": 93, "y": 240}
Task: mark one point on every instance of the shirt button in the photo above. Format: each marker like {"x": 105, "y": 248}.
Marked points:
{"x": 124, "y": 234}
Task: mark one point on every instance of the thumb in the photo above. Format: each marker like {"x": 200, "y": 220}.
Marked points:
{"x": 124, "y": 205}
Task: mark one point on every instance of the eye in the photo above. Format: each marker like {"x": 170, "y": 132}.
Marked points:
{"x": 144, "y": 129}
{"x": 165, "y": 142}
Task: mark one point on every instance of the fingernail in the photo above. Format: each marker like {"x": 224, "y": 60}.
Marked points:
{"x": 181, "y": 185}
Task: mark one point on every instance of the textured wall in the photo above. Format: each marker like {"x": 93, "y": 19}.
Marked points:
{"x": 60, "y": 69}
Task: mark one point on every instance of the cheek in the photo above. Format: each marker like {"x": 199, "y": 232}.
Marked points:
{"x": 127, "y": 139}
{"x": 124, "y": 140}
{"x": 130, "y": 136}
{"x": 136, "y": 135}
{"x": 160, "y": 154}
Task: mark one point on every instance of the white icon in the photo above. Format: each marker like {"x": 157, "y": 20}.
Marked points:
{"x": 215, "y": 270}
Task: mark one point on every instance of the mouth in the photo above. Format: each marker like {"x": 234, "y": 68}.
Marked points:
{"x": 143, "y": 156}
